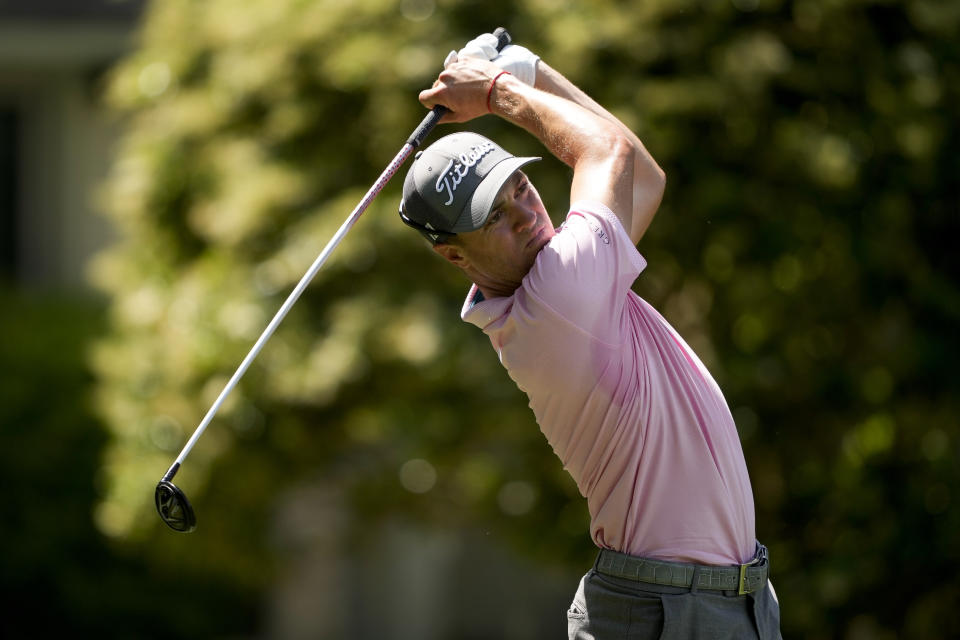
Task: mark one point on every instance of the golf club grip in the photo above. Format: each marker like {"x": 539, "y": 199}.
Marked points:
{"x": 426, "y": 126}
{"x": 430, "y": 121}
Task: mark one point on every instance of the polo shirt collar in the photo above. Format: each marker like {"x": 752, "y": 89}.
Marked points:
{"x": 481, "y": 311}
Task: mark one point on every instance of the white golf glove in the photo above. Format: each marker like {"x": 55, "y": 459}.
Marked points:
{"x": 519, "y": 61}
{"x": 483, "y": 46}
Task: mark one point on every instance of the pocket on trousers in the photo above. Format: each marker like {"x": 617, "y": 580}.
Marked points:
{"x": 577, "y": 622}
{"x": 615, "y": 609}
{"x": 766, "y": 614}
{"x": 576, "y": 612}
{"x": 578, "y": 608}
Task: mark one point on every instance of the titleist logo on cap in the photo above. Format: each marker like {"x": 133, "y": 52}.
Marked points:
{"x": 454, "y": 173}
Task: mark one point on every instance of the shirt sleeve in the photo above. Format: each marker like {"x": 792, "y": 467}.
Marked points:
{"x": 586, "y": 271}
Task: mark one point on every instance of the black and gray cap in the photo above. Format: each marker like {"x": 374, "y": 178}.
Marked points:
{"x": 453, "y": 184}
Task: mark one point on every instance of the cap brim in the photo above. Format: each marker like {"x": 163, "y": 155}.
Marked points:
{"x": 478, "y": 208}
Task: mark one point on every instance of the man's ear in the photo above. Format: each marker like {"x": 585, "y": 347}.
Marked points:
{"x": 452, "y": 254}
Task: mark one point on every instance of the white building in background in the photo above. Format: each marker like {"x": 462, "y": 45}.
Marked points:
{"x": 55, "y": 136}
{"x": 56, "y": 141}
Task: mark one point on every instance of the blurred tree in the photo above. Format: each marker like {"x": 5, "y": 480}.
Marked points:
{"x": 802, "y": 249}
{"x": 58, "y": 573}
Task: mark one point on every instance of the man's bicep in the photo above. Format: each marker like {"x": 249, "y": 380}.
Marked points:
{"x": 610, "y": 182}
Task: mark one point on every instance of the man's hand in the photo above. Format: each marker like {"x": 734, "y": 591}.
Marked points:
{"x": 519, "y": 61}
{"x": 462, "y": 88}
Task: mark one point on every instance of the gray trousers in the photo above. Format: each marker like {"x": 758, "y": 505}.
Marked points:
{"x": 611, "y": 608}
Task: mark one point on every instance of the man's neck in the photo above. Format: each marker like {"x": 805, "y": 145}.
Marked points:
{"x": 495, "y": 292}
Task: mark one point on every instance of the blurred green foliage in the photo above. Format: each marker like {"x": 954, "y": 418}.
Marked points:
{"x": 58, "y": 572}
{"x": 804, "y": 248}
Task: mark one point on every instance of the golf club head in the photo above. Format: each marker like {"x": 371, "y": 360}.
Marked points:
{"x": 174, "y": 508}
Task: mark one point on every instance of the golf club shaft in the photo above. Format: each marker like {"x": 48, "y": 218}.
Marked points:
{"x": 388, "y": 173}
{"x": 416, "y": 138}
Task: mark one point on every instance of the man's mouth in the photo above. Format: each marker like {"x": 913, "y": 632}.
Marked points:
{"x": 536, "y": 237}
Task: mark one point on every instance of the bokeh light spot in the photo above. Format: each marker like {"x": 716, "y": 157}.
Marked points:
{"x": 165, "y": 433}
{"x": 154, "y": 79}
{"x": 418, "y": 476}
{"x": 749, "y": 332}
{"x": 517, "y": 498}
{"x": 934, "y": 444}
{"x": 417, "y": 10}
{"x": 718, "y": 261}
{"x": 787, "y": 273}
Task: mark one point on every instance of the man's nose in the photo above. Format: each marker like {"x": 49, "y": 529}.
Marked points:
{"x": 523, "y": 217}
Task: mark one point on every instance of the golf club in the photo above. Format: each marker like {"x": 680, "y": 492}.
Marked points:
{"x": 171, "y": 502}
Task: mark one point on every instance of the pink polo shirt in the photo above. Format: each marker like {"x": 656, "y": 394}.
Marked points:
{"x": 630, "y": 410}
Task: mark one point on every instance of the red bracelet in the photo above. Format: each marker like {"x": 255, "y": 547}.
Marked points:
{"x": 490, "y": 90}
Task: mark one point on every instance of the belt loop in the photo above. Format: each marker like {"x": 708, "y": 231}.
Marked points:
{"x": 695, "y": 581}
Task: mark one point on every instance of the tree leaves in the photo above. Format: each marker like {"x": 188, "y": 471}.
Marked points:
{"x": 803, "y": 247}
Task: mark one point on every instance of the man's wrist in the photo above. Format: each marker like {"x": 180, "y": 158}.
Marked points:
{"x": 502, "y": 98}
{"x": 493, "y": 84}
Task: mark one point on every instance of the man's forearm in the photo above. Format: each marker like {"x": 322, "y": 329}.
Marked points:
{"x": 602, "y": 155}
{"x": 552, "y": 81}
{"x": 650, "y": 177}
{"x": 571, "y": 131}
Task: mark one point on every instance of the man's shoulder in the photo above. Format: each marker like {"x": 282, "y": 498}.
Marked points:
{"x": 598, "y": 217}
{"x": 591, "y": 233}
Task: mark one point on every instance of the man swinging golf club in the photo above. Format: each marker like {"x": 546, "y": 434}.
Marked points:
{"x": 633, "y": 414}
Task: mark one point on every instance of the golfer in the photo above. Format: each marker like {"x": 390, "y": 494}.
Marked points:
{"x": 633, "y": 414}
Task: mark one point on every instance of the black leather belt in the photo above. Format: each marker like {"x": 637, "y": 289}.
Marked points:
{"x": 744, "y": 578}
